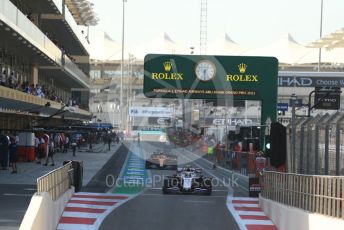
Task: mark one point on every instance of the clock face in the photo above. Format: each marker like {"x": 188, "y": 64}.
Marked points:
{"x": 205, "y": 70}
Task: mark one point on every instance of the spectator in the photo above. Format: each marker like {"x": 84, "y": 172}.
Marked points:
{"x": 16, "y": 138}
{"x": 66, "y": 143}
{"x": 37, "y": 151}
{"x": 13, "y": 154}
{"x": 11, "y": 81}
{"x": 109, "y": 141}
{"x": 51, "y": 151}
{"x": 218, "y": 153}
{"x": 4, "y": 142}
{"x": 138, "y": 138}
{"x": 41, "y": 150}
{"x": 74, "y": 147}
{"x": 3, "y": 78}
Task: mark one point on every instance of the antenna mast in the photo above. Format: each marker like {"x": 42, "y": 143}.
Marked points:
{"x": 203, "y": 27}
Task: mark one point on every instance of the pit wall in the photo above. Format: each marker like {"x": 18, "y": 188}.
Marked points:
{"x": 44, "y": 213}
{"x": 289, "y": 218}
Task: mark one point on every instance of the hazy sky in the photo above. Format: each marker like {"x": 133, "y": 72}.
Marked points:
{"x": 250, "y": 23}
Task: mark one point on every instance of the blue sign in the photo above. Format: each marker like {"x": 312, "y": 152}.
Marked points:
{"x": 282, "y": 106}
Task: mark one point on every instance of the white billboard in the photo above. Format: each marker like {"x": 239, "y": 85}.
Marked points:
{"x": 136, "y": 111}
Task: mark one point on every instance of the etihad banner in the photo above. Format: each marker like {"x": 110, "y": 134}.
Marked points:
{"x": 136, "y": 111}
{"x": 284, "y": 81}
{"x": 232, "y": 121}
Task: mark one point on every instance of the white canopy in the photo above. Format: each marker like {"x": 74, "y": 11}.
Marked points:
{"x": 333, "y": 56}
{"x": 224, "y": 45}
{"x": 285, "y": 49}
{"x": 162, "y": 44}
{"x": 103, "y": 47}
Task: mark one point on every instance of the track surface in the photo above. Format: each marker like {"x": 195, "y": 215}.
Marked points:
{"x": 152, "y": 210}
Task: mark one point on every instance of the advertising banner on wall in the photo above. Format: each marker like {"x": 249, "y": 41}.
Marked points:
{"x": 232, "y": 121}
{"x": 308, "y": 81}
{"x": 138, "y": 111}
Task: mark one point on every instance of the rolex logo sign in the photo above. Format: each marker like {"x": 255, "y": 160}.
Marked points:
{"x": 168, "y": 76}
{"x": 241, "y": 76}
{"x": 167, "y": 66}
{"x": 242, "y": 67}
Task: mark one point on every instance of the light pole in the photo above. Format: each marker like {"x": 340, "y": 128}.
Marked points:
{"x": 122, "y": 64}
{"x": 321, "y": 20}
{"x": 99, "y": 108}
{"x": 131, "y": 60}
{"x": 114, "y": 107}
{"x": 293, "y": 133}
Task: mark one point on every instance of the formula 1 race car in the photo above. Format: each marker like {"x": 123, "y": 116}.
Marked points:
{"x": 188, "y": 181}
{"x": 162, "y": 160}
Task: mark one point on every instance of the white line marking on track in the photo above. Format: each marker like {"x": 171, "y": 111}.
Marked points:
{"x": 246, "y": 205}
{"x": 81, "y": 214}
{"x": 252, "y": 213}
{"x": 95, "y": 199}
{"x": 75, "y": 226}
{"x": 97, "y": 194}
{"x": 86, "y": 206}
{"x": 135, "y": 169}
{"x": 134, "y": 173}
{"x": 258, "y": 222}
{"x": 245, "y": 198}
{"x": 235, "y": 214}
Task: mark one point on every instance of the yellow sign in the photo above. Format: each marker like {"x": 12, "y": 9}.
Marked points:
{"x": 242, "y": 77}
{"x": 167, "y": 76}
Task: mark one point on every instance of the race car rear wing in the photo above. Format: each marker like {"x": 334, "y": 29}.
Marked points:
{"x": 196, "y": 170}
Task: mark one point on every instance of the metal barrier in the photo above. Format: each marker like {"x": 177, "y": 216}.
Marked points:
{"x": 13, "y": 94}
{"x": 25, "y": 97}
{"x": 318, "y": 147}
{"x": 73, "y": 69}
{"x": 57, "y": 182}
{"x": 317, "y": 194}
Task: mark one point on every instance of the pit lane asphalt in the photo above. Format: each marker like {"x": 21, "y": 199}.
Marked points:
{"x": 152, "y": 210}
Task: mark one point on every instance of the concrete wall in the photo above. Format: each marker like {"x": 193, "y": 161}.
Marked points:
{"x": 44, "y": 213}
{"x": 290, "y": 218}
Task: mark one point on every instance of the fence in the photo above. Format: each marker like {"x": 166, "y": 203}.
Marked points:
{"x": 317, "y": 194}
{"x": 57, "y": 182}
{"x": 318, "y": 145}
